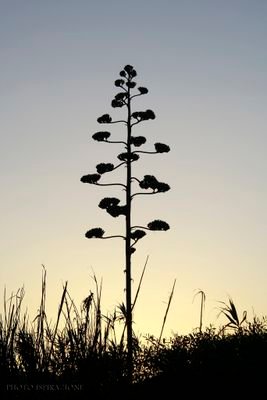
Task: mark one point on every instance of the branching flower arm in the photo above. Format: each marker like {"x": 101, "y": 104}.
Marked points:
{"x": 113, "y": 236}
{"x": 145, "y": 152}
{"x": 135, "y": 179}
{"x": 115, "y": 141}
{"x": 135, "y": 123}
{"x": 143, "y": 193}
{"x": 110, "y": 184}
{"x": 97, "y": 233}
{"x": 156, "y": 225}
{"x": 119, "y": 165}
{"x": 117, "y": 122}
{"x": 159, "y": 148}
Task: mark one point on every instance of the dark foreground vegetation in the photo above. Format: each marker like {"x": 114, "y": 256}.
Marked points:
{"x": 80, "y": 356}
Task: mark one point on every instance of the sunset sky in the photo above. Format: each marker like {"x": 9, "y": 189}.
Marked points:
{"x": 204, "y": 63}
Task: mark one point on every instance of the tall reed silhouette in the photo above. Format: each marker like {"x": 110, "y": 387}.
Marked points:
{"x": 149, "y": 184}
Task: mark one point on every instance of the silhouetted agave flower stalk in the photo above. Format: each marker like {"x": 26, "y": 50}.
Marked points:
{"x": 133, "y": 234}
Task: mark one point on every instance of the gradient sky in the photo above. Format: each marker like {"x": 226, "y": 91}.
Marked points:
{"x": 204, "y": 63}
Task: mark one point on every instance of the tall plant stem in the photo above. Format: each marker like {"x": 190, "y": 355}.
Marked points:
{"x": 128, "y": 247}
{"x": 166, "y": 313}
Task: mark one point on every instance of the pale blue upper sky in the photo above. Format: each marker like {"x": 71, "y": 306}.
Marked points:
{"x": 204, "y": 63}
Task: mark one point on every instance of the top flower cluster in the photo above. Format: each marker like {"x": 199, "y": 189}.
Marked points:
{"x": 128, "y": 73}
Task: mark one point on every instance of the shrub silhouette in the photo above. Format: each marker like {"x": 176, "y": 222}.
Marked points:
{"x": 83, "y": 351}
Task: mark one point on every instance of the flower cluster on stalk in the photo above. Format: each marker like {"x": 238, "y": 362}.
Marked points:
{"x": 111, "y": 205}
{"x": 150, "y": 182}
